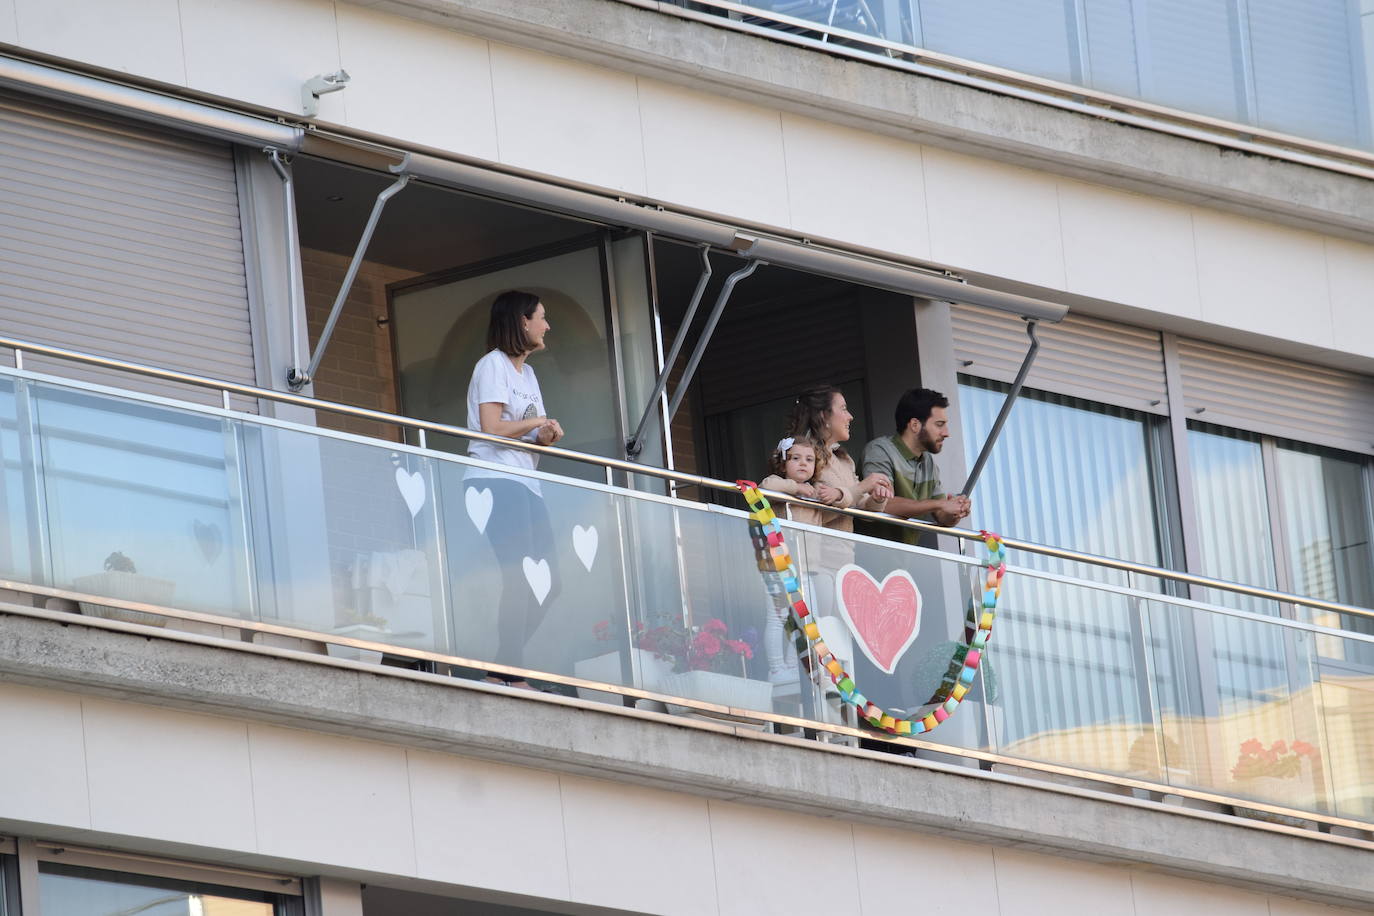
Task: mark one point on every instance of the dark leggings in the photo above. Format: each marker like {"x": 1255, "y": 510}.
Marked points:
{"x": 519, "y": 528}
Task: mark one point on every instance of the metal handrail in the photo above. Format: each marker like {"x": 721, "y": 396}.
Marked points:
{"x": 1071, "y": 96}
{"x": 674, "y": 476}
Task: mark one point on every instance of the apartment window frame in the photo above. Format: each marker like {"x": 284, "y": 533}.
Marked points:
{"x": 22, "y": 860}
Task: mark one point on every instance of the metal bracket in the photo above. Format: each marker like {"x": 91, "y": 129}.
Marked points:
{"x": 635, "y": 444}
{"x": 298, "y": 379}
{"x": 1002, "y": 415}
{"x": 318, "y": 85}
{"x": 293, "y": 256}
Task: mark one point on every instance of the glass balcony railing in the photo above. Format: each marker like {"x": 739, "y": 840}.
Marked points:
{"x": 624, "y": 595}
{"x": 1289, "y": 66}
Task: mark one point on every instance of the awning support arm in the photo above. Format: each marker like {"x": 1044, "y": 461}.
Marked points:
{"x": 695, "y": 359}
{"x": 1006, "y": 408}
{"x": 297, "y": 379}
{"x": 293, "y": 253}
{"x": 635, "y": 444}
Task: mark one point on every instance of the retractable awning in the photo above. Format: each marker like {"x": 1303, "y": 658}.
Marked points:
{"x": 841, "y": 265}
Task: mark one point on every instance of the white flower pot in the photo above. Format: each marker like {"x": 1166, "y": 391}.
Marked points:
{"x": 125, "y": 586}
{"x": 714, "y": 687}
{"x": 608, "y": 670}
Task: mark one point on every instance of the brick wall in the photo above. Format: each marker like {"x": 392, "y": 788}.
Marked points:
{"x": 357, "y": 366}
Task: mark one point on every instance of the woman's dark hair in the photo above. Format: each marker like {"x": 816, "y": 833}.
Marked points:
{"x": 505, "y": 332}
{"x": 810, "y": 414}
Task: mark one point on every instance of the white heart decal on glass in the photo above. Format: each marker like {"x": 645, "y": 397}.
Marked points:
{"x": 584, "y": 544}
{"x": 539, "y": 578}
{"x": 412, "y": 487}
{"x": 478, "y": 503}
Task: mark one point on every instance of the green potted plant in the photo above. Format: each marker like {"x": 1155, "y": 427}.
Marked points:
{"x": 121, "y": 579}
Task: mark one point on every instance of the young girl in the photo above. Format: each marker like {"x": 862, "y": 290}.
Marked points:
{"x": 791, "y": 468}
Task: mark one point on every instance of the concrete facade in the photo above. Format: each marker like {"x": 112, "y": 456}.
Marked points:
{"x": 212, "y": 749}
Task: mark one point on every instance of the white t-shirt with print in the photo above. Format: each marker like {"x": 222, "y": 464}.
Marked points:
{"x": 495, "y": 381}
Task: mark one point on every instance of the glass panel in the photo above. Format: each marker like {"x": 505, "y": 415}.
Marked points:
{"x": 16, "y": 531}
{"x": 1040, "y": 484}
{"x": 1304, "y": 57}
{"x": 1028, "y": 35}
{"x": 1233, "y": 512}
{"x": 350, "y": 538}
{"x": 141, "y": 502}
{"x": 91, "y": 892}
{"x": 1256, "y": 732}
{"x": 1347, "y": 699}
{"x": 1326, "y": 532}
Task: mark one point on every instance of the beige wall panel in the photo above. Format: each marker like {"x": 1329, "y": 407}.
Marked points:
{"x": 1033, "y": 885}
{"x": 1350, "y": 268}
{"x": 994, "y": 218}
{"x": 429, "y": 85}
{"x": 714, "y": 154}
{"x": 141, "y": 37}
{"x": 1263, "y": 278}
{"x": 335, "y": 800}
{"x": 776, "y": 862}
{"x": 196, "y": 768}
{"x": 567, "y": 118}
{"x": 1129, "y": 248}
{"x": 261, "y": 51}
{"x": 864, "y": 188}
{"x": 470, "y": 816}
{"x": 9, "y": 25}
{"x": 45, "y": 781}
{"x": 1163, "y": 895}
{"x": 638, "y": 849}
{"x": 883, "y": 853}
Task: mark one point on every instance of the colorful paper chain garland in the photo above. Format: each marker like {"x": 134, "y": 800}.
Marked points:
{"x": 775, "y": 563}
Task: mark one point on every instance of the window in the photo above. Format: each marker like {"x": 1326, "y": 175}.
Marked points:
{"x": 1046, "y": 485}
{"x": 76, "y": 891}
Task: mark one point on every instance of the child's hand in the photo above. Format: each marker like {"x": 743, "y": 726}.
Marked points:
{"x": 805, "y": 489}
{"x": 829, "y": 495}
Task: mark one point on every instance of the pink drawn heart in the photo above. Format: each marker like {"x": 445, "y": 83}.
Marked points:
{"x": 884, "y": 617}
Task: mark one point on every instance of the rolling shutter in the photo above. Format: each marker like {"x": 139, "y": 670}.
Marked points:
{"x": 1081, "y": 357}
{"x": 1278, "y": 397}
{"x": 122, "y": 240}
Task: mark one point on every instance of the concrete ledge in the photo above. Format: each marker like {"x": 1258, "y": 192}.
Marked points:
{"x": 199, "y": 673}
{"x": 914, "y": 107}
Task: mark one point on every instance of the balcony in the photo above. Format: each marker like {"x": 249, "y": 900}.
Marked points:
{"x": 160, "y": 512}
{"x": 1296, "y": 75}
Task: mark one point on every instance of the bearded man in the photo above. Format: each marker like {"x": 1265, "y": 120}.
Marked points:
{"x": 907, "y": 460}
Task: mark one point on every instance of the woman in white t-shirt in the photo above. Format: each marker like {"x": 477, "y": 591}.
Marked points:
{"x": 504, "y": 400}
